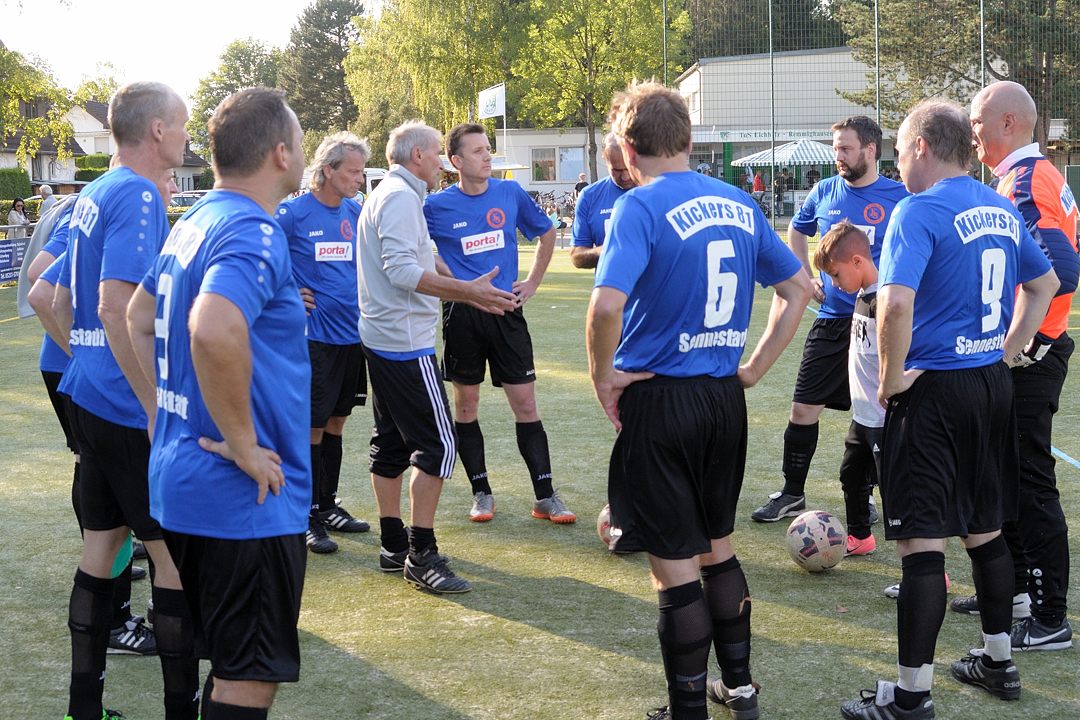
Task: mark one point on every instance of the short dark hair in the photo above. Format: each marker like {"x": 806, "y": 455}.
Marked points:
{"x": 652, "y": 119}
{"x": 245, "y": 127}
{"x": 867, "y": 130}
{"x": 453, "y": 139}
{"x": 946, "y": 128}
{"x": 843, "y": 240}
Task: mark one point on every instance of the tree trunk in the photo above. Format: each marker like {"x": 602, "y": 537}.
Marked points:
{"x": 590, "y": 131}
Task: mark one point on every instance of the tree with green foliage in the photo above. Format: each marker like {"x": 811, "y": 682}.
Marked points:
{"x": 32, "y": 106}
{"x": 580, "y": 52}
{"x": 99, "y": 88}
{"x": 245, "y": 63}
{"x": 313, "y": 67}
{"x": 723, "y": 28}
{"x": 932, "y": 49}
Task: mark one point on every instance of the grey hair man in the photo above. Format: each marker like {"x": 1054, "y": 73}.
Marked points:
{"x": 47, "y": 199}
{"x": 321, "y": 227}
{"x": 592, "y": 218}
{"x": 399, "y": 291}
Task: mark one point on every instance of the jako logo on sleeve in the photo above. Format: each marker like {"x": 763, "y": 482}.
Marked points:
{"x": 333, "y": 252}
{"x": 482, "y": 242}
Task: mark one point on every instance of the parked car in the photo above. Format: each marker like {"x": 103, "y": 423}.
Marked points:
{"x": 187, "y": 199}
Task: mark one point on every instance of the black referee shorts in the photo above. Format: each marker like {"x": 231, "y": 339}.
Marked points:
{"x": 60, "y": 404}
{"x": 338, "y": 380}
{"x": 113, "y": 475}
{"x": 823, "y": 372}
{"x": 244, "y": 597}
{"x": 413, "y": 425}
{"x": 949, "y": 463}
{"x": 473, "y": 339}
{"x": 677, "y": 466}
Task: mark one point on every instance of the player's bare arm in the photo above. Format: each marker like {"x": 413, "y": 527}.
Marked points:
{"x": 140, "y": 322}
{"x": 896, "y": 305}
{"x": 40, "y": 298}
{"x": 1032, "y": 302}
{"x": 39, "y": 265}
{"x": 442, "y": 268}
{"x": 585, "y": 258}
{"x": 221, "y": 354}
{"x": 545, "y": 247}
{"x": 786, "y": 311}
{"x": 62, "y": 310}
{"x": 112, "y": 311}
{"x": 603, "y": 328}
{"x": 799, "y": 244}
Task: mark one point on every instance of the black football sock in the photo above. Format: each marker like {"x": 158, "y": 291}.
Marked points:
{"x": 728, "y": 599}
{"x": 800, "y": 442}
{"x": 420, "y": 539}
{"x": 207, "y": 691}
{"x": 992, "y": 571}
{"x": 316, "y": 478}
{"x": 685, "y": 632}
{"x": 392, "y": 534}
{"x": 220, "y": 711}
{"x": 121, "y": 598}
{"x": 920, "y": 610}
{"x": 532, "y": 443}
{"x": 331, "y": 470}
{"x": 176, "y": 650}
{"x": 857, "y": 509}
{"x": 88, "y": 618}
{"x": 471, "y": 452}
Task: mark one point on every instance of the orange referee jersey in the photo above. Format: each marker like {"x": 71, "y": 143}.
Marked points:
{"x": 1041, "y": 195}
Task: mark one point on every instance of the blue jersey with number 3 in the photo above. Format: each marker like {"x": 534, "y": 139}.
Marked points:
{"x": 686, "y": 249}
{"x": 227, "y": 245}
{"x": 963, "y": 249}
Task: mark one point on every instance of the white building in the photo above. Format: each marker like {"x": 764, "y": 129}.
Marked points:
{"x": 554, "y": 157}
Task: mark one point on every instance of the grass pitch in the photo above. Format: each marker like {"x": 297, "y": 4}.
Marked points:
{"x": 555, "y": 627}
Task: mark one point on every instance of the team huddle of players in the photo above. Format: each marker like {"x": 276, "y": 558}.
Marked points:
{"x": 254, "y": 316}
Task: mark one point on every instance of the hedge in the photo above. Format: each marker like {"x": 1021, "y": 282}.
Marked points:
{"x": 90, "y": 174}
{"x": 95, "y": 161}
{"x": 14, "y": 183}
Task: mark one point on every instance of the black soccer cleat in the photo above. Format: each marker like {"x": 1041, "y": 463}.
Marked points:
{"x": 318, "y": 541}
{"x": 780, "y": 505}
{"x": 742, "y": 701}
{"x": 1031, "y": 634}
{"x": 881, "y": 704}
{"x": 340, "y": 520}
{"x": 430, "y": 572}
{"x": 1002, "y": 683}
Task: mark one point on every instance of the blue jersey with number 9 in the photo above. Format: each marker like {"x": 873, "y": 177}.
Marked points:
{"x": 686, "y": 249}
{"x": 963, "y": 249}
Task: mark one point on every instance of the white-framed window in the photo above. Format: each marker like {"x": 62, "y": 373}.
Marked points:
{"x": 557, "y": 164}
{"x": 571, "y": 163}
{"x": 543, "y": 164}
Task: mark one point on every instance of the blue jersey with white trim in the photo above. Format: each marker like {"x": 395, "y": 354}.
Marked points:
{"x": 963, "y": 249}
{"x": 228, "y": 246}
{"x": 592, "y": 216}
{"x": 115, "y": 231}
{"x": 322, "y": 245}
{"x": 474, "y": 233}
{"x": 832, "y": 200}
{"x": 52, "y": 358}
{"x": 686, "y": 249}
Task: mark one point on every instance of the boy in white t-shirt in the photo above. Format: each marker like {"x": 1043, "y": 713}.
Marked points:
{"x": 844, "y": 254}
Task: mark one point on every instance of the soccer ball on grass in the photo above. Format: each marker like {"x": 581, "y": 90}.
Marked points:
{"x": 816, "y": 540}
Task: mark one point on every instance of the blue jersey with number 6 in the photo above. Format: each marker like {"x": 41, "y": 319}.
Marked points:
{"x": 686, "y": 249}
{"x": 227, "y": 245}
{"x": 963, "y": 249}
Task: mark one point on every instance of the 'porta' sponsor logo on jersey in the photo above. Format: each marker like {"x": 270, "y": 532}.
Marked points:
{"x": 483, "y": 242}
{"x": 333, "y": 252}
{"x": 986, "y": 220}
{"x": 709, "y": 211}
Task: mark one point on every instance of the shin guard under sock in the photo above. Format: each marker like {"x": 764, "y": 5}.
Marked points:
{"x": 728, "y": 599}
{"x": 800, "y": 442}
{"x": 532, "y": 443}
{"x": 471, "y": 452}
{"x": 88, "y": 618}
{"x": 685, "y": 631}
{"x": 331, "y": 470}
{"x": 176, "y": 650}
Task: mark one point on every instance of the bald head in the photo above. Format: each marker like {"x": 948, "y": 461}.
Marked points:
{"x": 1003, "y": 117}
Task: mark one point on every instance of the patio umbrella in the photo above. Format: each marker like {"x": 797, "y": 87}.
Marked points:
{"x": 797, "y": 152}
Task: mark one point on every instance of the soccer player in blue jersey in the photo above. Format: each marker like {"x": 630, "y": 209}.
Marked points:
{"x": 857, "y": 194}
{"x": 475, "y": 224}
{"x": 952, "y": 259}
{"x": 593, "y": 214}
{"x": 321, "y": 227}
{"x": 116, "y": 230}
{"x": 217, "y": 325}
{"x": 399, "y": 309}
{"x": 1003, "y": 119}
{"x": 664, "y": 360}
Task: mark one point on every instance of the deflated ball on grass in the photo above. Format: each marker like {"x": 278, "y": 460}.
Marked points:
{"x": 816, "y": 540}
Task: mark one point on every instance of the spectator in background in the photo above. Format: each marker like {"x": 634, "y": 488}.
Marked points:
{"x": 17, "y": 216}
{"x": 582, "y": 183}
{"x": 47, "y": 199}
{"x": 758, "y": 188}
{"x": 812, "y": 176}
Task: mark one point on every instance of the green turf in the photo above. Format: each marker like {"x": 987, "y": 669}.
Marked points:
{"x": 555, "y": 628}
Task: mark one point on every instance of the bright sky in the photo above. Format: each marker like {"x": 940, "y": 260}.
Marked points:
{"x": 177, "y": 43}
